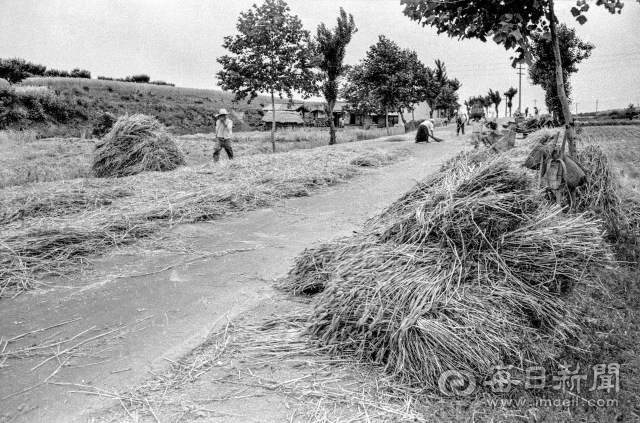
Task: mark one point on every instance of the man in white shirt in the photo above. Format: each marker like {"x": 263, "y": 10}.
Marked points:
{"x": 224, "y": 127}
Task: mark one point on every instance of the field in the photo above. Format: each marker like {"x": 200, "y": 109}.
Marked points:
{"x": 53, "y": 214}
{"x": 27, "y": 159}
{"x": 622, "y": 144}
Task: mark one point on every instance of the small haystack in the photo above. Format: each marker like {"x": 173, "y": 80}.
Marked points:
{"x": 136, "y": 144}
{"x": 469, "y": 269}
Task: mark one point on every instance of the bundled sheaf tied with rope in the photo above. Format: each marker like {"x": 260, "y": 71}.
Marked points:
{"x": 469, "y": 269}
{"x": 136, "y": 144}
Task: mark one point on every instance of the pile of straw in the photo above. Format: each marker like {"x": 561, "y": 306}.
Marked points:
{"x": 136, "y": 144}
{"x": 52, "y": 228}
{"x": 469, "y": 269}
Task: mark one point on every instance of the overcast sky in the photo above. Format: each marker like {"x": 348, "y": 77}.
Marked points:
{"x": 178, "y": 41}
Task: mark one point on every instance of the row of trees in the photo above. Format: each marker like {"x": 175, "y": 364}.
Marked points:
{"x": 138, "y": 79}
{"x": 272, "y": 53}
{"x": 393, "y": 79}
{"x": 493, "y": 98}
{"x": 513, "y": 24}
{"x": 16, "y": 69}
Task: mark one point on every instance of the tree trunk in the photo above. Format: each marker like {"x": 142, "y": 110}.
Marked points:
{"x": 386, "y": 120}
{"x": 273, "y": 123}
{"x": 332, "y": 124}
{"x": 412, "y": 116}
{"x": 562, "y": 95}
{"x": 506, "y": 109}
{"x": 497, "y": 111}
{"x": 404, "y": 122}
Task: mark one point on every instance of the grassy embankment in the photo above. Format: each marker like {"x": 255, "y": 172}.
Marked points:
{"x": 50, "y": 227}
{"x": 73, "y": 106}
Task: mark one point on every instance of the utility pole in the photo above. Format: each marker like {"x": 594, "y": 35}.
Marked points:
{"x": 596, "y": 106}
{"x": 576, "y": 108}
{"x": 520, "y": 87}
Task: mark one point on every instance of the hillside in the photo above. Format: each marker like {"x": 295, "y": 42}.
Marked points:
{"x": 182, "y": 110}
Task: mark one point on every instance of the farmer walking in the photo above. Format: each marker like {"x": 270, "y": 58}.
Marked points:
{"x": 223, "y": 135}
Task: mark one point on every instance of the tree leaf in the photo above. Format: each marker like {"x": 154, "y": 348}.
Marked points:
{"x": 575, "y": 11}
{"x": 581, "y": 19}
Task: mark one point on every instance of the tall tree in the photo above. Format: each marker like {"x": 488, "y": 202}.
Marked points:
{"x": 386, "y": 74}
{"x": 496, "y": 99}
{"x": 271, "y": 54}
{"x": 511, "y": 23}
{"x": 543, "y": 71}
{"x": 357, "y": 93}
{"x": 509, "y": 94}
{"x": 488, "y": 101}
{"x": 332, "y": 46}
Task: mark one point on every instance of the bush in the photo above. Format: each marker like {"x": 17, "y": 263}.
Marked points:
{"x": 141, "y": 79}
{"x": 80, "y": 73}
{"x": 57, "y": 73}
{"x": 36, "y": 106}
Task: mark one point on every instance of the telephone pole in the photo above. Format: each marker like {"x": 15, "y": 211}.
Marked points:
{"x": 520, "y": 87}
{"x": 576, "y": 108}
{"x": 596, "y": 106}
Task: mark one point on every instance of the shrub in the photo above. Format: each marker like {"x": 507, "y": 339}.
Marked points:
{"x": 80, "y": 73}
{"x": 57, "y": 73}
{"x": 141, "y": 79}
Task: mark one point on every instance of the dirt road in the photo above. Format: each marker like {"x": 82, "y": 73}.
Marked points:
{"x": 140, "y": 308}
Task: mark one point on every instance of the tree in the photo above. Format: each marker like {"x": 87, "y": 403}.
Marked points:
{"x": 509, "y": 94}
{"x": 332, "y": 48}
{"x": 511, "y": 23}
{"x": 487, "y": 103}
{"x": 272, "y": 53}
{"x": 16, "y": 69}
{"x": 441, "y": 92}
{"x": 356, "y": 92}
{"x": 496, "y": 99}
{"x": 386, "y": 77}
{"x": 543, "y": 71}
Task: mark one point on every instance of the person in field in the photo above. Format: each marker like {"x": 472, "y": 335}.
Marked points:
{"x": 461, "y": 121}
{"x": 476, "y": 130}
{"x": 425, "y": 130}
{"x": 224, "y": 130}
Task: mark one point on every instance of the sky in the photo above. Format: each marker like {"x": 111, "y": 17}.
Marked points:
{"x": 178, "y": 41}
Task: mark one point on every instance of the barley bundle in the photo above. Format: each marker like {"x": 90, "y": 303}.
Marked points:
{"x": 136, "y": 144}
{"x": 600, "y": 192}
{"x": 468, "y": 269}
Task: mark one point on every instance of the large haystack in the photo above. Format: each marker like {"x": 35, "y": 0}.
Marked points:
{"x": 468, "y": 270}
{"x": 136, "y": 144}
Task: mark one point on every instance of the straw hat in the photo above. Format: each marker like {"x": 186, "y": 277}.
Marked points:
{"x": 223, "y": 112}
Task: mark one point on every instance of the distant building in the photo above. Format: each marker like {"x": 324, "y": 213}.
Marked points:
{"x": 314, "y": 114}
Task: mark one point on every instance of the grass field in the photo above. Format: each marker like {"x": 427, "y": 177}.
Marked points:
{"x": 622, "y": 144}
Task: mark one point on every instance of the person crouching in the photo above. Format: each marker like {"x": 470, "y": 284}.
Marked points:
{"x": 224, "y": 127}
{"x": 425, "y": 130}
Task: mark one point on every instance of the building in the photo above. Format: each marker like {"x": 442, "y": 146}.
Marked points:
{"x": 314, "y": 114}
